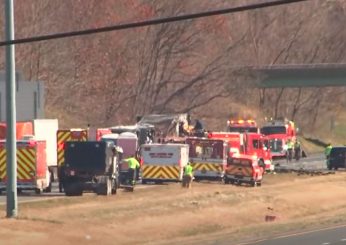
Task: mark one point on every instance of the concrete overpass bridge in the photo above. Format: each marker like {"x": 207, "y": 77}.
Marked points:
{"x": 310, "y": 75}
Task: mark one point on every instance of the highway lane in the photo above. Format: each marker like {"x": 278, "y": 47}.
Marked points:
{"x": 315, "y": 161}
{"x": 325, "y": 236}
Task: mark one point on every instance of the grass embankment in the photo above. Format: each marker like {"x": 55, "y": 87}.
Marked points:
{"x": 317, "y": 142}
{"x": 169, "y": 214}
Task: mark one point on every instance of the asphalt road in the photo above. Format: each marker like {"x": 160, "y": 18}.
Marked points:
{"x": 326, "y": 236}
{"x": 311, "y": 162}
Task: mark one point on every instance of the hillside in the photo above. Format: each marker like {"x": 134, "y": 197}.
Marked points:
{"x": 106, "y": 79}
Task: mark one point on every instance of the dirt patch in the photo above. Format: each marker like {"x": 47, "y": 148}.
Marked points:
{"x": 168, "y": 213}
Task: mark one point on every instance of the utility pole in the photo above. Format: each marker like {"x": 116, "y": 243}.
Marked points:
{"x": 11, "y": 144}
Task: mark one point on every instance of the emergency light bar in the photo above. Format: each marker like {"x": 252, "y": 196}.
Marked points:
{"x": 242, "y": 121}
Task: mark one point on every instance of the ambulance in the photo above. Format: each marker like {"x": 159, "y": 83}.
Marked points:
{"x": 209, "y": 158}
{"x": 244, "y": 169}
{"x": 164, "y": 162}
{"x": 32, "y": 168}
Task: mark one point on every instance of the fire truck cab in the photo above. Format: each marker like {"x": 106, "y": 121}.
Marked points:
{"x": 279, "y": 131}
{"x": 252, "y": 144}
{"x": 208, "y": 157}
{"x": 244, "y": 169}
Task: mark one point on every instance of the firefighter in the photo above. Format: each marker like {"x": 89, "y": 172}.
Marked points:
{"x": 327, "y": 153}
{"x": 289, "y": 145}
{"x": 296, "y": 149}
{"x": 131, "y": 173}
{"x": 188, "y": 176}
{"x": 198, "y": 125}
{"x": 61, "y": 177}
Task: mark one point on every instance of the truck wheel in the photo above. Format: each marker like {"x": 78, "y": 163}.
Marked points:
{"x": 114, "y": 187}
{"x": 253, "y": 184}
{"x": 104, "y": 187}
{"x": 49, "y": 188}
{"x": 226, "y": 181}
{"x": 73, "y": 190}
{"x": 38, "y": 191}
{"x": 109, "y": 187}
{"x": 259, "y": 183}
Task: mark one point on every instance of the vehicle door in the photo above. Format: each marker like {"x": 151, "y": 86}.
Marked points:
{"x": 338, "y": 157}
{"x": 256, "y": 150}
{"x": 240, "y": 168}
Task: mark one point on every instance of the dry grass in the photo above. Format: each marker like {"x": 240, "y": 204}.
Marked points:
{"x": 169, "y": 214}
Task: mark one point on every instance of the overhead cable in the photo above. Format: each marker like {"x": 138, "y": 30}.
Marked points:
{"x": 150, "y": 22}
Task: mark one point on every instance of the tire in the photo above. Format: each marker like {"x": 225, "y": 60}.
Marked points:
{"x": 263, "y": 165}
{"x": 104, "y": 187}
{"x": 38, "y": 191}
{"x": 114, "y": 187}
{"x": 49, "y": 188}
{"x": 259, "y": 183}
{"x": 226, "y": 181}
{"x": 73, "y": 189}
{"x": 253, "y": 184}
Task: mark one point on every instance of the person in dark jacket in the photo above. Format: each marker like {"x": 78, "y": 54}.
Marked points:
{"x": 61, "y": 176}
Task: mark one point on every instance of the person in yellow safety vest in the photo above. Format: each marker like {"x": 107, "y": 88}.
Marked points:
{"x": 133, "y": 166}
{"x": 327, "y": 153}
{"x": 188, "y": 175}
{"x": 289, "y": 145}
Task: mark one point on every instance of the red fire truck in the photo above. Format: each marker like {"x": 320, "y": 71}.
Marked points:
{"x": 253, "y": 144}
{"x": 278, "y": 131}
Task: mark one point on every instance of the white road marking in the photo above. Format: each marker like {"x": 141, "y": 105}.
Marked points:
{"x": 326, "y": 243}
{"x": 343, "y": 240}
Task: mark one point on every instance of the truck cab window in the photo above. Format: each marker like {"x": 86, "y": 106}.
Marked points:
{"x": 260, "y": 144}
{"x": 255, "y": 144}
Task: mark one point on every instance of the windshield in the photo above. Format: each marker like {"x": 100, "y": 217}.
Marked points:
{"x": 243, "y": 162}
{"x": 115, "y": 141}
{"x": 242, "y": 129}
{"x": 273, "y": 130}
{"x": 276, "y": 145}
{"x": 206, "y": 149}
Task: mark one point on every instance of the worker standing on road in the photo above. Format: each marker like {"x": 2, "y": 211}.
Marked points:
{"x": 327, "y": 153}
{"x": 133, "y": 165}
{"x": 289, "y": 145}
{"x": 297, "y": 149}
{"x": 61, "y": 177}
{"x": 188, "y": 176}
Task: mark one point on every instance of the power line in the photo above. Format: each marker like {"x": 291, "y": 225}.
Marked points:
{"x": 150, "y": 22}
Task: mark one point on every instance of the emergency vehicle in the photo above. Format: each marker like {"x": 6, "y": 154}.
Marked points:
{"x": 244, "y": 169}
{"x": 208, "y": 157}
{"x": 110, "y": 137}
{"x": 164, "y": 162}
{"x": 253, "y": 144}
{"x": 76, "y": 134}
{"x": 278, "y": 131}
{"x": 242, "y": 125}
{"x": 32, "y": 168}
{"x": 129, "y": 143}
